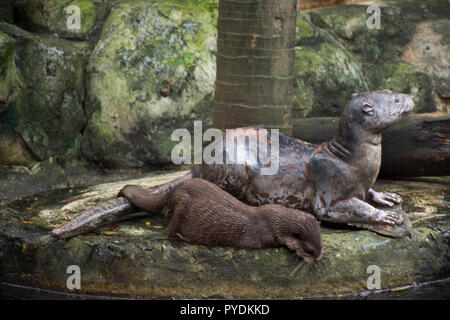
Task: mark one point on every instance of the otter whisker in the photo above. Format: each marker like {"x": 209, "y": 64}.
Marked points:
{"x": 299, "y": 267}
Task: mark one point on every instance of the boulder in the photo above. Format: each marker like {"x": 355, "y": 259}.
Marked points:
{"x": 152, "y": 71}
{"x": 326, "y": 74}
{"x": 6, "y": 10}
{"x": 429, "y": 51}
{"x": 9, "y": 82}
{"x": 56, "y": 16}
{"x": 161, "y": 268}
{"x": 48, "y": 113}
{"x": 399, "y": 76}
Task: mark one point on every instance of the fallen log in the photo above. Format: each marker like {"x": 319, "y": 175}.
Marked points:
{"x": 419, "y": 145}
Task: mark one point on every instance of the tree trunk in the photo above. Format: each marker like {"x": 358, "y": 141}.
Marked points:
{"x": 416, "y": 146}
{"x": 255, "y": 64}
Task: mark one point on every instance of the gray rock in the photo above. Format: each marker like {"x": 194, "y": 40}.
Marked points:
{"x": 55, "y": 16}
{"x": 6, "y": 10}
{"x": 398, "y": 76}
{"x": 401, "y": 33}
{"x": 326, "y": 73}
{"x": 48, "y": 113}
{"x": 429, "y": 51}
{"x": 9, "y": 82}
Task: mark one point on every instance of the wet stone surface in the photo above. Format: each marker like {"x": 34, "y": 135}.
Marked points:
{"x": 136, "y": 259}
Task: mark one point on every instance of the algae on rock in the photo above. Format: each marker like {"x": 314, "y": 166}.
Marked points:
{"x": 169, "y": 269}
{"x": 9, "y": 82}
{"x": 400, "y": 27}
{"x": 400, "y": 76}
{"x": 326, "y": 74}
{"x": 48, "y": 113}
{"x": 55, "y": 16}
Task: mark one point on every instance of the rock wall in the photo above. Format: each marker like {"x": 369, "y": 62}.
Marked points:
{"x": 112, "y": 91}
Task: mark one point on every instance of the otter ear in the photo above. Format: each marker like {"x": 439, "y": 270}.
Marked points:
{"x": 367, "y": 109}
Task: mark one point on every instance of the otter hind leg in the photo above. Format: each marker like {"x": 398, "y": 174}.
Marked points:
{"x": 178, "y": 216}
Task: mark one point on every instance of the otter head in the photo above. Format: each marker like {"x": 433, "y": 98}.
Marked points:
{"x": 300, "y": 232}
{"x": 375, "y": 110}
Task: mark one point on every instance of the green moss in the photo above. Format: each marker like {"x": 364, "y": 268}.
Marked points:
{"x": 9, "y": 82}
{"x": 348, "y": 25}
{"x": 88, "y": 15}
{"x": 163, "y": 268}
{"x": 130, "y": 66}
{"x": 326, "y": 73}
{"x": 49, "y": 112}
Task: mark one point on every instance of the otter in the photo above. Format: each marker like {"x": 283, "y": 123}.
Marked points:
{"x": 202, "y": 213}
{"x": 332, "y": 180}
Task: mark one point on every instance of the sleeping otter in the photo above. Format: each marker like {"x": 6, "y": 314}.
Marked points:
{"x": 200, "y": 212}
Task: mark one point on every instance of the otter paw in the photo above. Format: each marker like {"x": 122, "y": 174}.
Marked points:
{"x": 124, "y": 191}
{"x": 385, "y": 199}
{"x": 388, "y": 217}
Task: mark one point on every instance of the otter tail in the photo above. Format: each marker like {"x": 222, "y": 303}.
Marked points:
{"x": 112, "y": 211}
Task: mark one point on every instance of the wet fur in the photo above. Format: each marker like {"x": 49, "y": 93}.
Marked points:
{"x": 200, "y": 212}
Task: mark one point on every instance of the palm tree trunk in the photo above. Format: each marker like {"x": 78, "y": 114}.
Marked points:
{"x": 255, "y": 64}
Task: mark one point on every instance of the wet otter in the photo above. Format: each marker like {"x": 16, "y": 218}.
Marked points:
{"x": 200, "y": 212}
{"x": 332, "y": 180}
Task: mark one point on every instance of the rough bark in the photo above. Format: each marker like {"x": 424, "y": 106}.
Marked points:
{"x": 416, "y": 146}
{"x": 255, "y": 64}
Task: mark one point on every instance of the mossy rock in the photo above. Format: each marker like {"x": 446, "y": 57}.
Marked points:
{"x": 400, "y": 76}
{"x": 54, "y": 16}
{"x": 136, "y": 259}
{"x": 398, "y": 21}
{"x": 326, "y": 74}
{"x": 404, "y": 27}
{"x": 6, "y": 10}
{"x": 151, "y": 72}
{"x": 48, "y": 113}
{"x": 429, "y": 52}
{"x": 13, "y": 150}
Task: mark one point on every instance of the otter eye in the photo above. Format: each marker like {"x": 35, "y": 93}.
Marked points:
{"x": 367, "y": 109}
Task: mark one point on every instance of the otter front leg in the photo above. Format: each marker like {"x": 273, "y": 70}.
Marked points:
{"x": 356, "y": 210}
{"x": 384, "y": 199}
